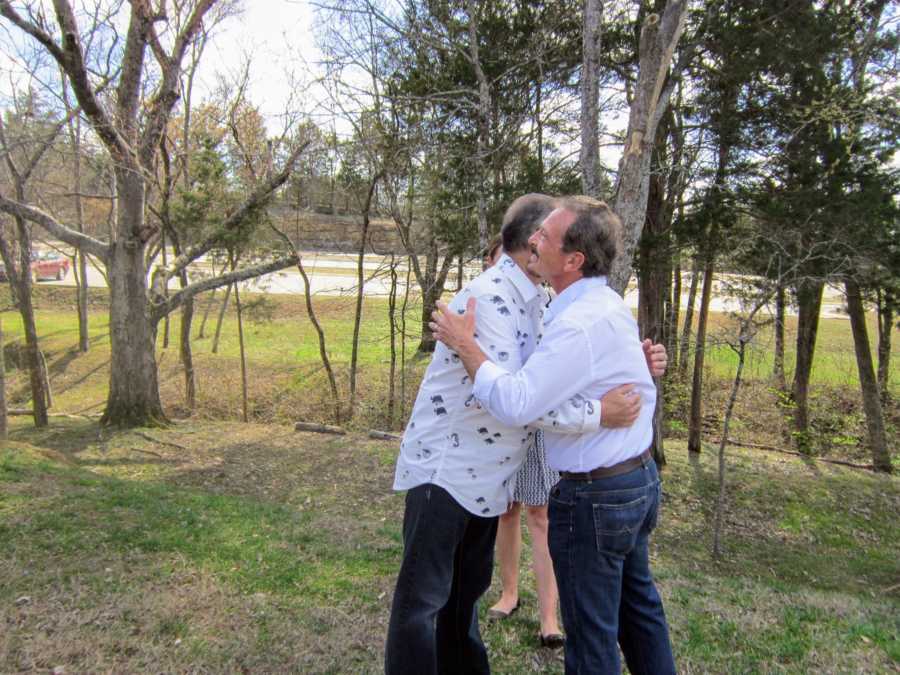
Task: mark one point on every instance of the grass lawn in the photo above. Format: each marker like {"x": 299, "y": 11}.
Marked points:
{"x": 213, "y": 546}
{"x": 222, "y": 547}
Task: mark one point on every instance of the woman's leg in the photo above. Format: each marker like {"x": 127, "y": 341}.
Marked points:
{"x": 509, "y": 545}
{"x": 548, "y": 596}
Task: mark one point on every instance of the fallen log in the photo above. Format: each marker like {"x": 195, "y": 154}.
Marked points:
{"x": 319, "y": 428}
{"x": 772, "y": 448}
{"x": 383, "y": 435}
{"x": 25, "y": 411}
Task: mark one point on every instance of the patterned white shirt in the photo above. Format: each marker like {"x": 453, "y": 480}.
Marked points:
{"x": 450, "y": 440}
{"x": 590, "y": 345}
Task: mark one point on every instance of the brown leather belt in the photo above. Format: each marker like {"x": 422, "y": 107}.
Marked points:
{"x": 609, "y": 471}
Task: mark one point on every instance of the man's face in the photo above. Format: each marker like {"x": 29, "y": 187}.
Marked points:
{"x": 547, "y": 258}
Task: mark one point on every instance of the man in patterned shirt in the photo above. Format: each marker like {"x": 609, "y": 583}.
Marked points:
{"x": 458, "y": 464}
{"x": 606, "y": 503}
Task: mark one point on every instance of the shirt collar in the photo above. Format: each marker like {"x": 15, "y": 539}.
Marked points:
{"x": 570, "y": 294}
{"x": 519, "y": 279}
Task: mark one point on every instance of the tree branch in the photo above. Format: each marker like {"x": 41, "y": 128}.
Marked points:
{"x": 72, "y": 237}
{"x": 234, "y": 221}
{"x": 160, "y": 309}
{"x": 167, "y": 94}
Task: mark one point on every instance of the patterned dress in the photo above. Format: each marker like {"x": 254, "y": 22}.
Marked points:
{"x": 535, "y": 479}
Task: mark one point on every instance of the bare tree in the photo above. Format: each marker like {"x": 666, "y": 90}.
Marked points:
{"x": 659, "y": 37}
{"x": 130, "y": 128}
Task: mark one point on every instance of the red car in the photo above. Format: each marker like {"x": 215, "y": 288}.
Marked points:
{"x": 49, "y": 265}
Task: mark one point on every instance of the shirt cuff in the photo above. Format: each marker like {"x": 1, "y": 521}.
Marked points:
{"x": 487, "y": 374}
{"x": 592, "y": 416}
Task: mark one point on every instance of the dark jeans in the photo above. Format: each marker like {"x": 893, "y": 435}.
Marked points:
{"x": 598, "y": 538}
{"x": 448, "y": 557}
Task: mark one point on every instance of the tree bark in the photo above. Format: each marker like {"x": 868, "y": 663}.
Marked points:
{"x": 360, "y": 288}
{"x": 589, "y": 156}
{"x": 80, "y": 261}
{"x": 392, "y": 320}
{"x": 653, "y": 269}
{"x": 222, "y": 308}
{"x": 695, "y": 423}
{"x": 778, "y": 365}
{"x": 133, "y": 398}
{"x": 3, "y": 404}
{"x": 885, "y": 322}
{"x": 689, "y": 319}
{"x": 868, "y": 383}
{"x": 36, "y": 373}
{"x": 809, "y": 303}
{"x": 484, "y": 124}
{"x": 659, "y": 37}
{"x": 245, "y": 412}
{"x": 673, "y": 313}
{"x": 206, "y": 308}
{"x": 184, "y": 349}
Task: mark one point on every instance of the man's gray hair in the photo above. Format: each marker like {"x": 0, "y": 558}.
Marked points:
{"x": 522, "y": 218}
{"x": 595, "y": 232}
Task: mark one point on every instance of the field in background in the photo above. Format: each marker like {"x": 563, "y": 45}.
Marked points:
{"x": 287, "y": 382}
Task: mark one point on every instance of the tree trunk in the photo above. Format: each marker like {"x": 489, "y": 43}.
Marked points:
{"x": 695, "y": 423}
{"x": 484, "y": 125}
{"x": 133, "y": 398}
{"x": 392, "y": 319}
{"x": 245, "y": 416}
{"x": 868, "y": 383}
{"x": 778, "y": 366}
{"x": 184, "y": 349}
{"x": 403, "y": 308}
{"x": 885, "y": 322}
{"x": 165, "y": 290}
{"x": 221, "y": 317}
{"x": 360, "y": 289}
{"x": 3, "y": 405}
{"x": 672, "y": 315}
{"x": 809, "y": 303}
{"x": 689, "y": 319}
{"x": 659, "y": 37}
{"x": 206, "y": 308}
{"x": 652, "y": 272}
{"x": 590, "y": 97}
{"x": 81, "y": 279}
{"x": 729, "y": 409}
{"x": 432, "y": 289}
{"x": 36, "y": 373}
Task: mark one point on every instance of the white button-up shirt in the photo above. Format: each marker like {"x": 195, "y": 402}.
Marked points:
{"x": 590, "y": 345}
{"x": 450, "y": 440}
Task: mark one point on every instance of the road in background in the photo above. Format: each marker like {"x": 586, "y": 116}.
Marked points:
{"x": 334, "y": 274}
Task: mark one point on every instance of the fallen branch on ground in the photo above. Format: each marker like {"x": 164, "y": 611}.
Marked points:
{"x": 772, "y": 448}
{"x": 383, "y": 435}
{"x": 319, "y": 428}
{"x": 25, "y": 411}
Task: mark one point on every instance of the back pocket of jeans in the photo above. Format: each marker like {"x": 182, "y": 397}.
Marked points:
{"x": 616, "y": 525}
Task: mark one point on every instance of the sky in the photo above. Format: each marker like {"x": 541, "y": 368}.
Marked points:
{"x": 278, "y": 37}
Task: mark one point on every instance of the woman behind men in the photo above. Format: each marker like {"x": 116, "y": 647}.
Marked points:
{"x": 533, "y": 483}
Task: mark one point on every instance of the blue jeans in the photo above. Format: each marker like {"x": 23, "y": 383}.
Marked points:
{"x": 598, "y": 538}
{"x": 448, "y": 558}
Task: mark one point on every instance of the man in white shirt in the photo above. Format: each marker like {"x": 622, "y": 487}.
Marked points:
{"x": 606, "y": 503}
{"x": 458, "y": 464}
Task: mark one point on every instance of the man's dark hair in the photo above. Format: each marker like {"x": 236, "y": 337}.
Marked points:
{"x": 522, "y": 218}
{"x": 595, "y": 233}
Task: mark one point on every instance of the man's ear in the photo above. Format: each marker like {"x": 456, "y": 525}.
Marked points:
{"x": 574, "y": 261}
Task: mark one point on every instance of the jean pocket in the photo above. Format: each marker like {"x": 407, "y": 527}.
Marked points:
{"x": 616, "y": 524}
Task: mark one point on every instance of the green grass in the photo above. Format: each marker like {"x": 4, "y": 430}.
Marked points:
{"x": 220, "y": 546}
